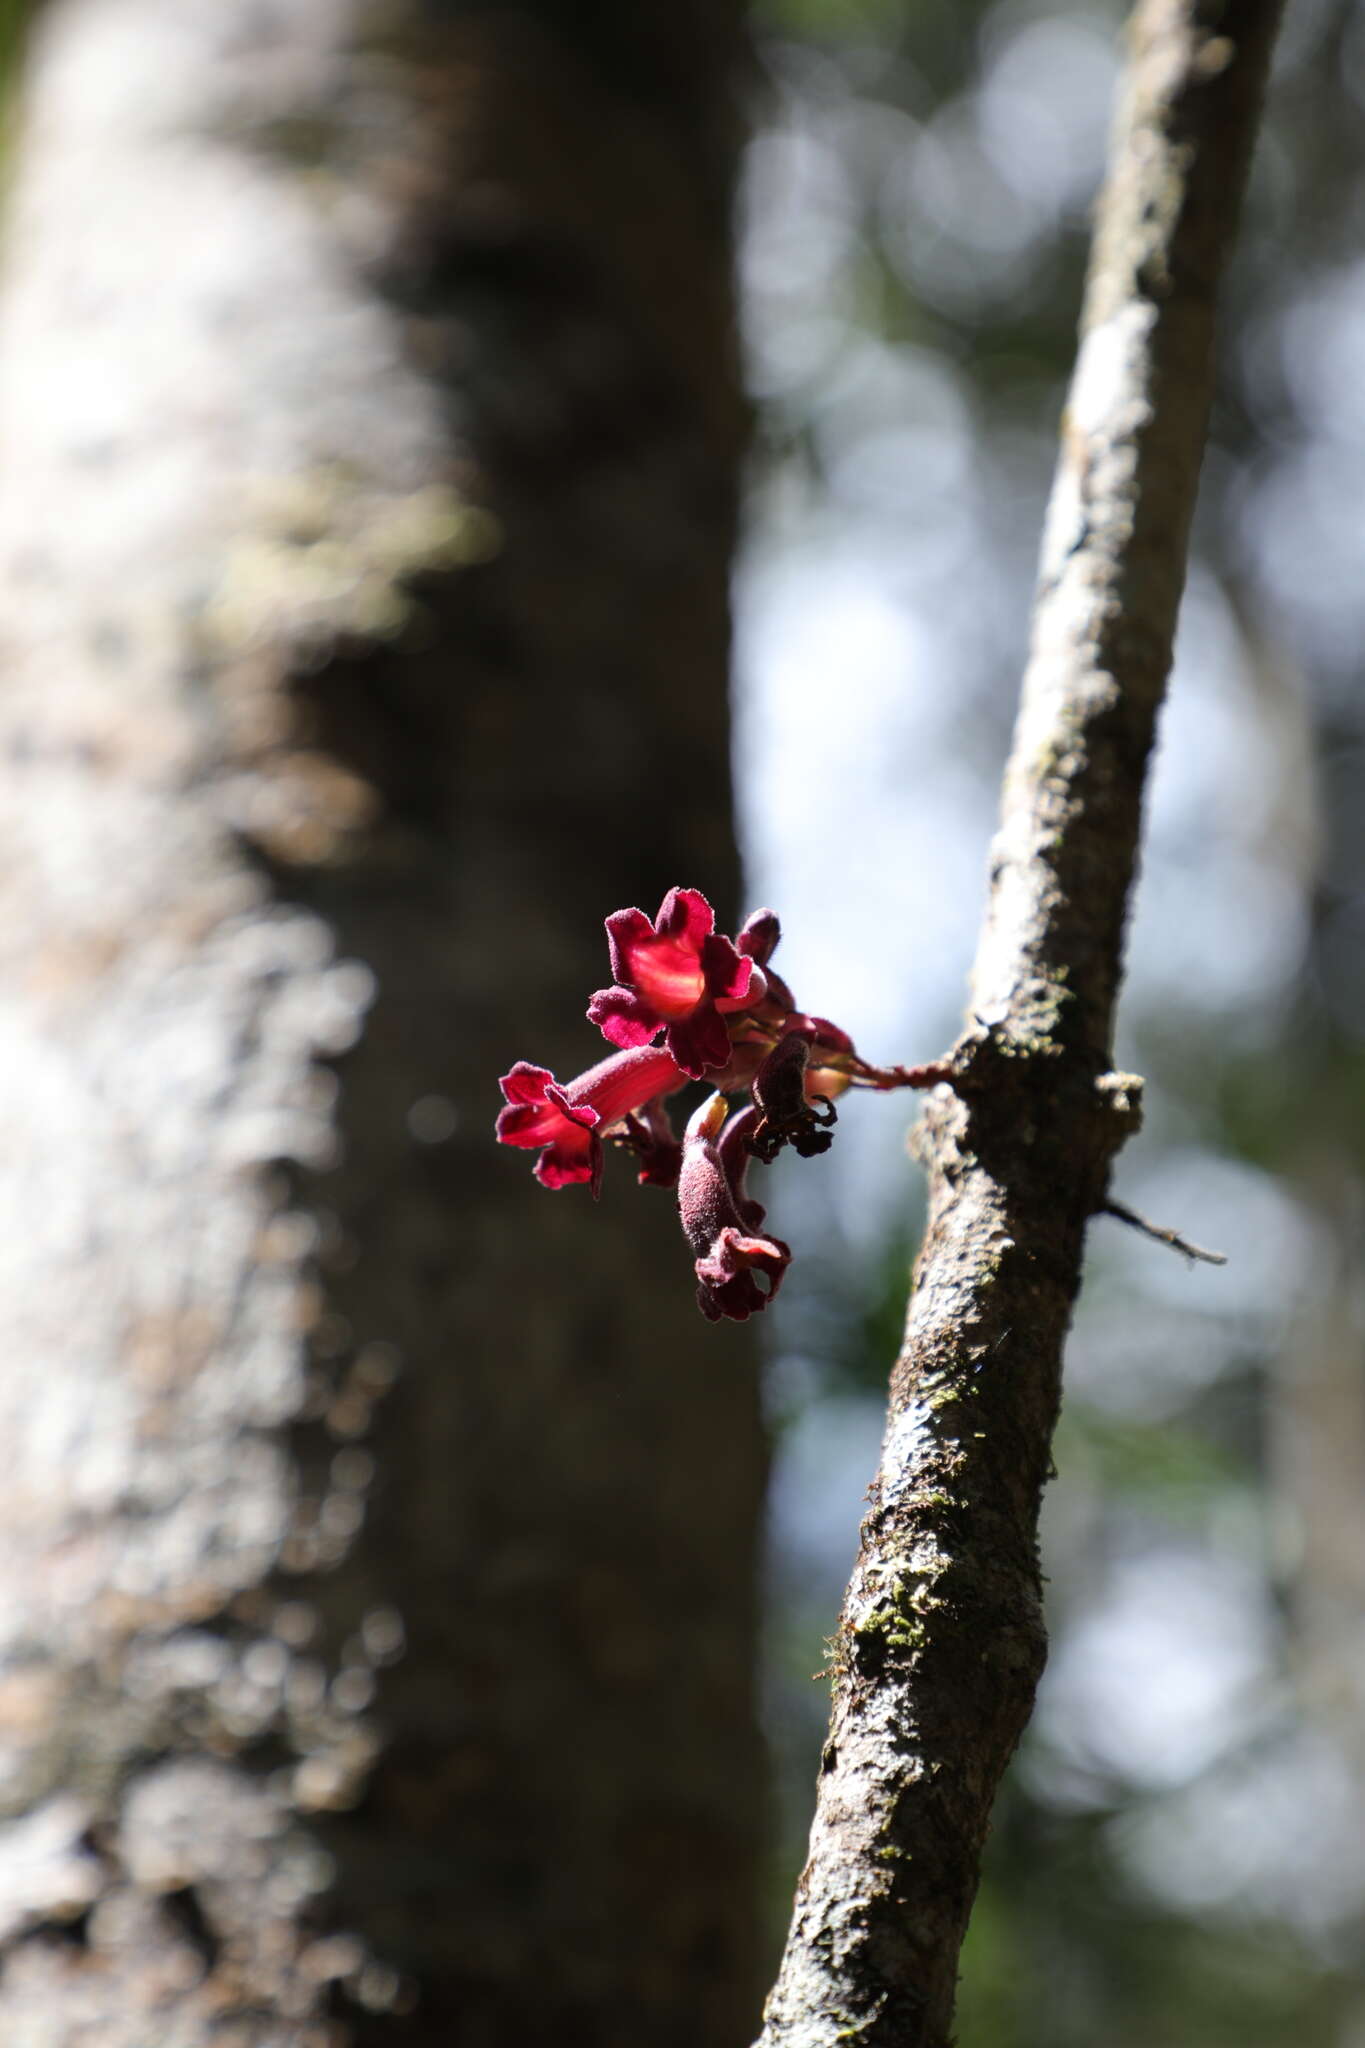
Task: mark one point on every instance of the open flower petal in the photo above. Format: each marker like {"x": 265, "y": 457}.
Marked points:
{"x": 663, "y": 960}
{"x": 540, "y": 1113}
{"x": 677, "y": 975}
{"x": 733, "y": 980}
{"x": 570, "y": 1122}
{"x": 700, "y": 1043}
{"x": 623, "y": 1018}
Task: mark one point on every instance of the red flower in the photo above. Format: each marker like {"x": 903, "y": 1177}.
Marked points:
{"x": 569, "y": 1122}
{"x": 677, "y": 975}
{"x": 725, "y": 1013}
{"x": 720, "y": 1220}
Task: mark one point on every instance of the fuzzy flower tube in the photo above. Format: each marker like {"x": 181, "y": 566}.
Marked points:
{"x": 724, "y": 1016}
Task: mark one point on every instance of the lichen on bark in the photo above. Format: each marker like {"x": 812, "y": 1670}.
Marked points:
{"x": 941, "y": 1639}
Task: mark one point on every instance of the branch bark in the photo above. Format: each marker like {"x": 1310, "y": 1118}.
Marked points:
{"x": 941, "y": 1640}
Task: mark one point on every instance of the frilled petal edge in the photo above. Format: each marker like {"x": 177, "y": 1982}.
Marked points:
{"x": 726, "y": 1279}
{"x": 624, "y": 1018}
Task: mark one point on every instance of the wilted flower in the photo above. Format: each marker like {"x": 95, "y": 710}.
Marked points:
{"x": 790, "y": 1115}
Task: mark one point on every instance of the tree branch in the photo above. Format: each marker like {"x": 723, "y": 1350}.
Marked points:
{"x": 1159, "y": 1235}
{"x": 941, "y": 1639}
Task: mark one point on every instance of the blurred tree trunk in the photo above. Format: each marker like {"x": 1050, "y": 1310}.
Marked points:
{"x": 376, "y": 1566}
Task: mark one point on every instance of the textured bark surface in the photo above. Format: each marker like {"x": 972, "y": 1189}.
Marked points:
{"x": 941, "y": 1637}
{"x": 371, "y": 1660}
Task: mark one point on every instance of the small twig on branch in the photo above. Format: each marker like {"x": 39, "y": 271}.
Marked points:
{"x": 1173, "y": 1238}
{"x": 941, "y": 1640}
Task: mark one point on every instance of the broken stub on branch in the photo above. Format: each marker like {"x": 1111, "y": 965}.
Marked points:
{"x": 689, "y": 1004}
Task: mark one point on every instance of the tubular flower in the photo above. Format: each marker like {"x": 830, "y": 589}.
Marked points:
{"x": 720, "y": 1222}
{"x": 568, "y": 1123}
{"x": 735, "y": 1149}
{"x": 677, "y": 975}
{"x": 723, "y": 1013}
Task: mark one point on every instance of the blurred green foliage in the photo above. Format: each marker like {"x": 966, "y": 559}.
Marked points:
{"x": 15, "y": 18}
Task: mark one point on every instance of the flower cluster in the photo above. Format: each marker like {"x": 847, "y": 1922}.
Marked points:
{"x": 688, "y": 1004}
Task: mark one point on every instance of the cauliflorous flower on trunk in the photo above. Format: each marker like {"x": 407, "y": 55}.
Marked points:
{"x": 678, "y": 975}
{"x": 568, "y": 1123}
{"x": 722, "y": 1012}
{"x": 721, "y": 1222}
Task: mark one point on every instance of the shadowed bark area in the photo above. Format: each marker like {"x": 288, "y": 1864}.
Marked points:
{"x": 941, "y": 1638}
{"x": 376, "y": 1573}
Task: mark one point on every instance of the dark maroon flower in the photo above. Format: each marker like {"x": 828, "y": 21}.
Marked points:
{"x": 651, "y": 1137}
{"x": 721, "y": 1221}
{"x": 789, "y": 1113}
{"x": 757, "y": 938}
{"x": 568, "y": 1123}
{"x": 677, "y": 975}
{"x": 734, "y": 1149}
{"x": 830, "y": 1062}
